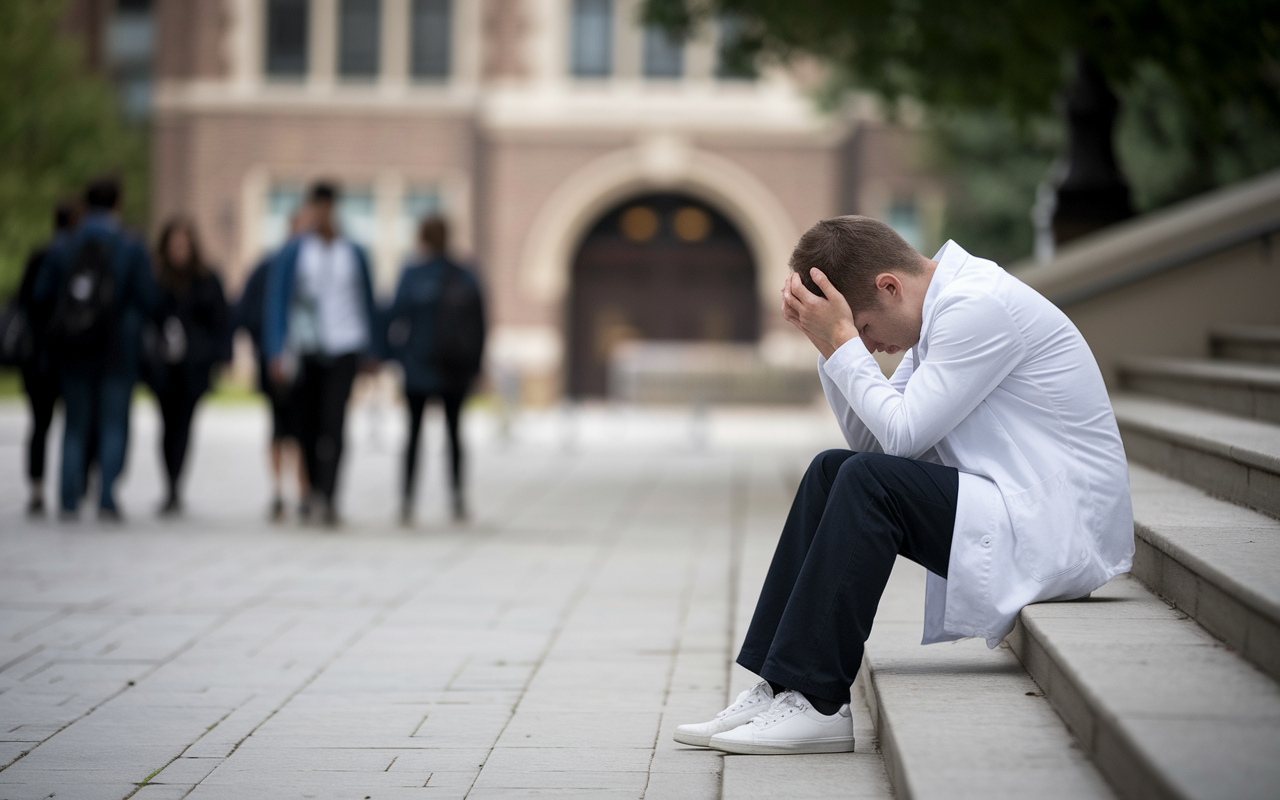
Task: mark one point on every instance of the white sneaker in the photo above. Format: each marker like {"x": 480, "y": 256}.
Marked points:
{"x": 790, "y": 725}
{"x": 749, "y": 703}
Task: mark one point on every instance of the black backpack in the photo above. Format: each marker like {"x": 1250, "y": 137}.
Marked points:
{"x": 82, "y": 324}
{"x": 458, "y": 344}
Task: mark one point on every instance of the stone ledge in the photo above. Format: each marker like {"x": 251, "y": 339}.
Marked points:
{"x": 1165, "y": 710}
{"x": 958, "y": 720}
{"x": 1238, "y": 459}
{"x": 1213, "y": 560}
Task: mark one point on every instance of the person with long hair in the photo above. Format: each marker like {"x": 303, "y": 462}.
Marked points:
{"x": 189, "y": 341}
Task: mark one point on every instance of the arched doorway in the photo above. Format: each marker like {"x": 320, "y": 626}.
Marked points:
{"x": 659, "y": 266}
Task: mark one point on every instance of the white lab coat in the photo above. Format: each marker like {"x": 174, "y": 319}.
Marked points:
{"x": 1002, "y": 387}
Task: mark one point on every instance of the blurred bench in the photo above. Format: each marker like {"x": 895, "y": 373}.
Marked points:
{"x": 710, "y": 373}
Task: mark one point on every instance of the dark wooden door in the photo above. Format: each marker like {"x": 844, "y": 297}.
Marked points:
{"x": 659, "y": 267}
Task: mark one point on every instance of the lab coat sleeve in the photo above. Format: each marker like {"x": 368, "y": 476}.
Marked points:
{"x": 857, "y": 434}
{"x": 973, "y": 345}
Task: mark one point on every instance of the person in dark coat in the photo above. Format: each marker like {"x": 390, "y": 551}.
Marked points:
{"x": 98, "y": 353}
{"x": 189, "y": 341}
{"x": 39, "y": 373}
{"x": 414, "y": 338}
{"x": 248, "y": 315}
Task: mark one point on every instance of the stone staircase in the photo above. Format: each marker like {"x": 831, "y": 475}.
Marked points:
{"x": 1164, "y": 682}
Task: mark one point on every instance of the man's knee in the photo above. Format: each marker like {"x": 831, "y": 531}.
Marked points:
{"x": 862, "y": 470}
{"x": 828, "y": 462}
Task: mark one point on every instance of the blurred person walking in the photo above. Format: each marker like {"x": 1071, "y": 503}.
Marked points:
{"x": 185, "y": 346}
{"x": 101, "y": 289}
{"x": 318, "y": 326}
{"x": 26, "y": 346}
{"x": 436, "y": 332}
{"x": 248, "y": 314}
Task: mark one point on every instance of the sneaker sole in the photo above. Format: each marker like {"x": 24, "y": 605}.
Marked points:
{"x": 790, "y": 748}
{"x": 691, "y": 739}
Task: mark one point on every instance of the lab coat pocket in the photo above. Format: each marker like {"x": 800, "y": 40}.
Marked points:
{"x": 1047, "y": 527}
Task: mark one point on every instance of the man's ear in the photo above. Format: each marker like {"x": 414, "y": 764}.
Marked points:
{"x": 888, "y": 282}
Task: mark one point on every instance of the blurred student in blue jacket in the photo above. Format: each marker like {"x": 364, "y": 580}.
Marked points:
{"x": 318, "y": 330}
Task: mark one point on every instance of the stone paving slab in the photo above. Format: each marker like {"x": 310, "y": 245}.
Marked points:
{"x": 546, "y": 649}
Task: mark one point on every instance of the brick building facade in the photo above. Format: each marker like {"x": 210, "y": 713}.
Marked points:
{"x": 525, "y": 122}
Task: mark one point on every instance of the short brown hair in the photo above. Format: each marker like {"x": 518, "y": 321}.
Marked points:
{"x": 434, "y": 233}
{"x": 851, "y": 251}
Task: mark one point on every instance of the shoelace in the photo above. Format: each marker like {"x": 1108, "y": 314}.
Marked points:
{"x": 783, "y": 706}
{"x": 742, "y": 702}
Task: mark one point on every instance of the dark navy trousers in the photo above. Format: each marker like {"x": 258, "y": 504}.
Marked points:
{"x": 853, "y": 515}
{"x": 97, "y": 405}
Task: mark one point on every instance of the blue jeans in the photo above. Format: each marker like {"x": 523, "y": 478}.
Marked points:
{"x": 853, "y": 515}
{"x": 96, "y": 403}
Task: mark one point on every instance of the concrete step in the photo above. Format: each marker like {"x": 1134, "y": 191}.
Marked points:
{"x": 1232, "y": 458}
{"x": 1164, "y": 708}
{"x": 1214, "y": 560}
{"x": 1258, "y": 343}
{"x": 957, "y": 720}
{"x": 1236, "y": 387}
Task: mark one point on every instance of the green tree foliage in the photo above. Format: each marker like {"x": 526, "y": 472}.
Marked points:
{"x": 59, "y": 127}
{"x": 1199, "y": 84}
{"x": 993, "y": 167}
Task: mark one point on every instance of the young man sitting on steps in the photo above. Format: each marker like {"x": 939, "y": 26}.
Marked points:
{"x": 991, "y": 458}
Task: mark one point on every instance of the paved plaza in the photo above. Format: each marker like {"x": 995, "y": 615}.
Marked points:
{"x": 547, "y": 648}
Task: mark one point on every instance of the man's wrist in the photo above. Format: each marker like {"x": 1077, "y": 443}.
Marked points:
{"x": 841, "y": 336}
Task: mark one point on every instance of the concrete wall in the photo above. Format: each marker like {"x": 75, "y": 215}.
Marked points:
{"x": 1169, "y": 313}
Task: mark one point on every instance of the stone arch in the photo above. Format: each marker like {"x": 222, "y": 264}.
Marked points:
{"x": 657, "y": 164}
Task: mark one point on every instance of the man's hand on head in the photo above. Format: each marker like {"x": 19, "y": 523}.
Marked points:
{"x": 827, "y": 321}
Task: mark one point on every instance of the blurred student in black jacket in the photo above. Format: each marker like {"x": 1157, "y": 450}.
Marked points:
{"x": 188, "y": 342}
{"x": 102, "y": 291}
{"x": 39, "y": 373}
{"x": 436, "y": 330}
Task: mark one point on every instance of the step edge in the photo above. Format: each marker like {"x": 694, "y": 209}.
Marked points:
{"x": 1191, "y": 372}
{"x": 1251, "y": 458}
{"x": 1027, "y": 641}
{"x": 890, "y": 749}
{"x": 1254, "y": 334}
{"x": 1242, "y": 593}
{"x": 1240, "y": 636}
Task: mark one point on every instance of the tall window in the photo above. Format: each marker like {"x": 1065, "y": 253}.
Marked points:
{"x": 429, "y": 41}
{"x": 736, "y": 57}
{"x": 592, "y": 38}
{"x": 357, "y": 216}
{"x": 904, "y": 218}
{"x": 663, "y": 54}
{"x": 287, "y": 38}
{"x": 131, "y": 54}
{"x": 282, "y": 201}
{"x": 358, "y": 37}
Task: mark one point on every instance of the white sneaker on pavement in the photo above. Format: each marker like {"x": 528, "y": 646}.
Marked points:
{"x": 790, "y": 725}
{"x": 749, "y": 703}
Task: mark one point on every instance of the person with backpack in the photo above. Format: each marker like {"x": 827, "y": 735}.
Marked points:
{"x": 436, "y": 331}
{"x": 248, "y": 315}
{"x": 26, "y": 347}
{"x": 318, "y": 331}
{"x": 186, "y": 345}
{"x": 102, "y": 291}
